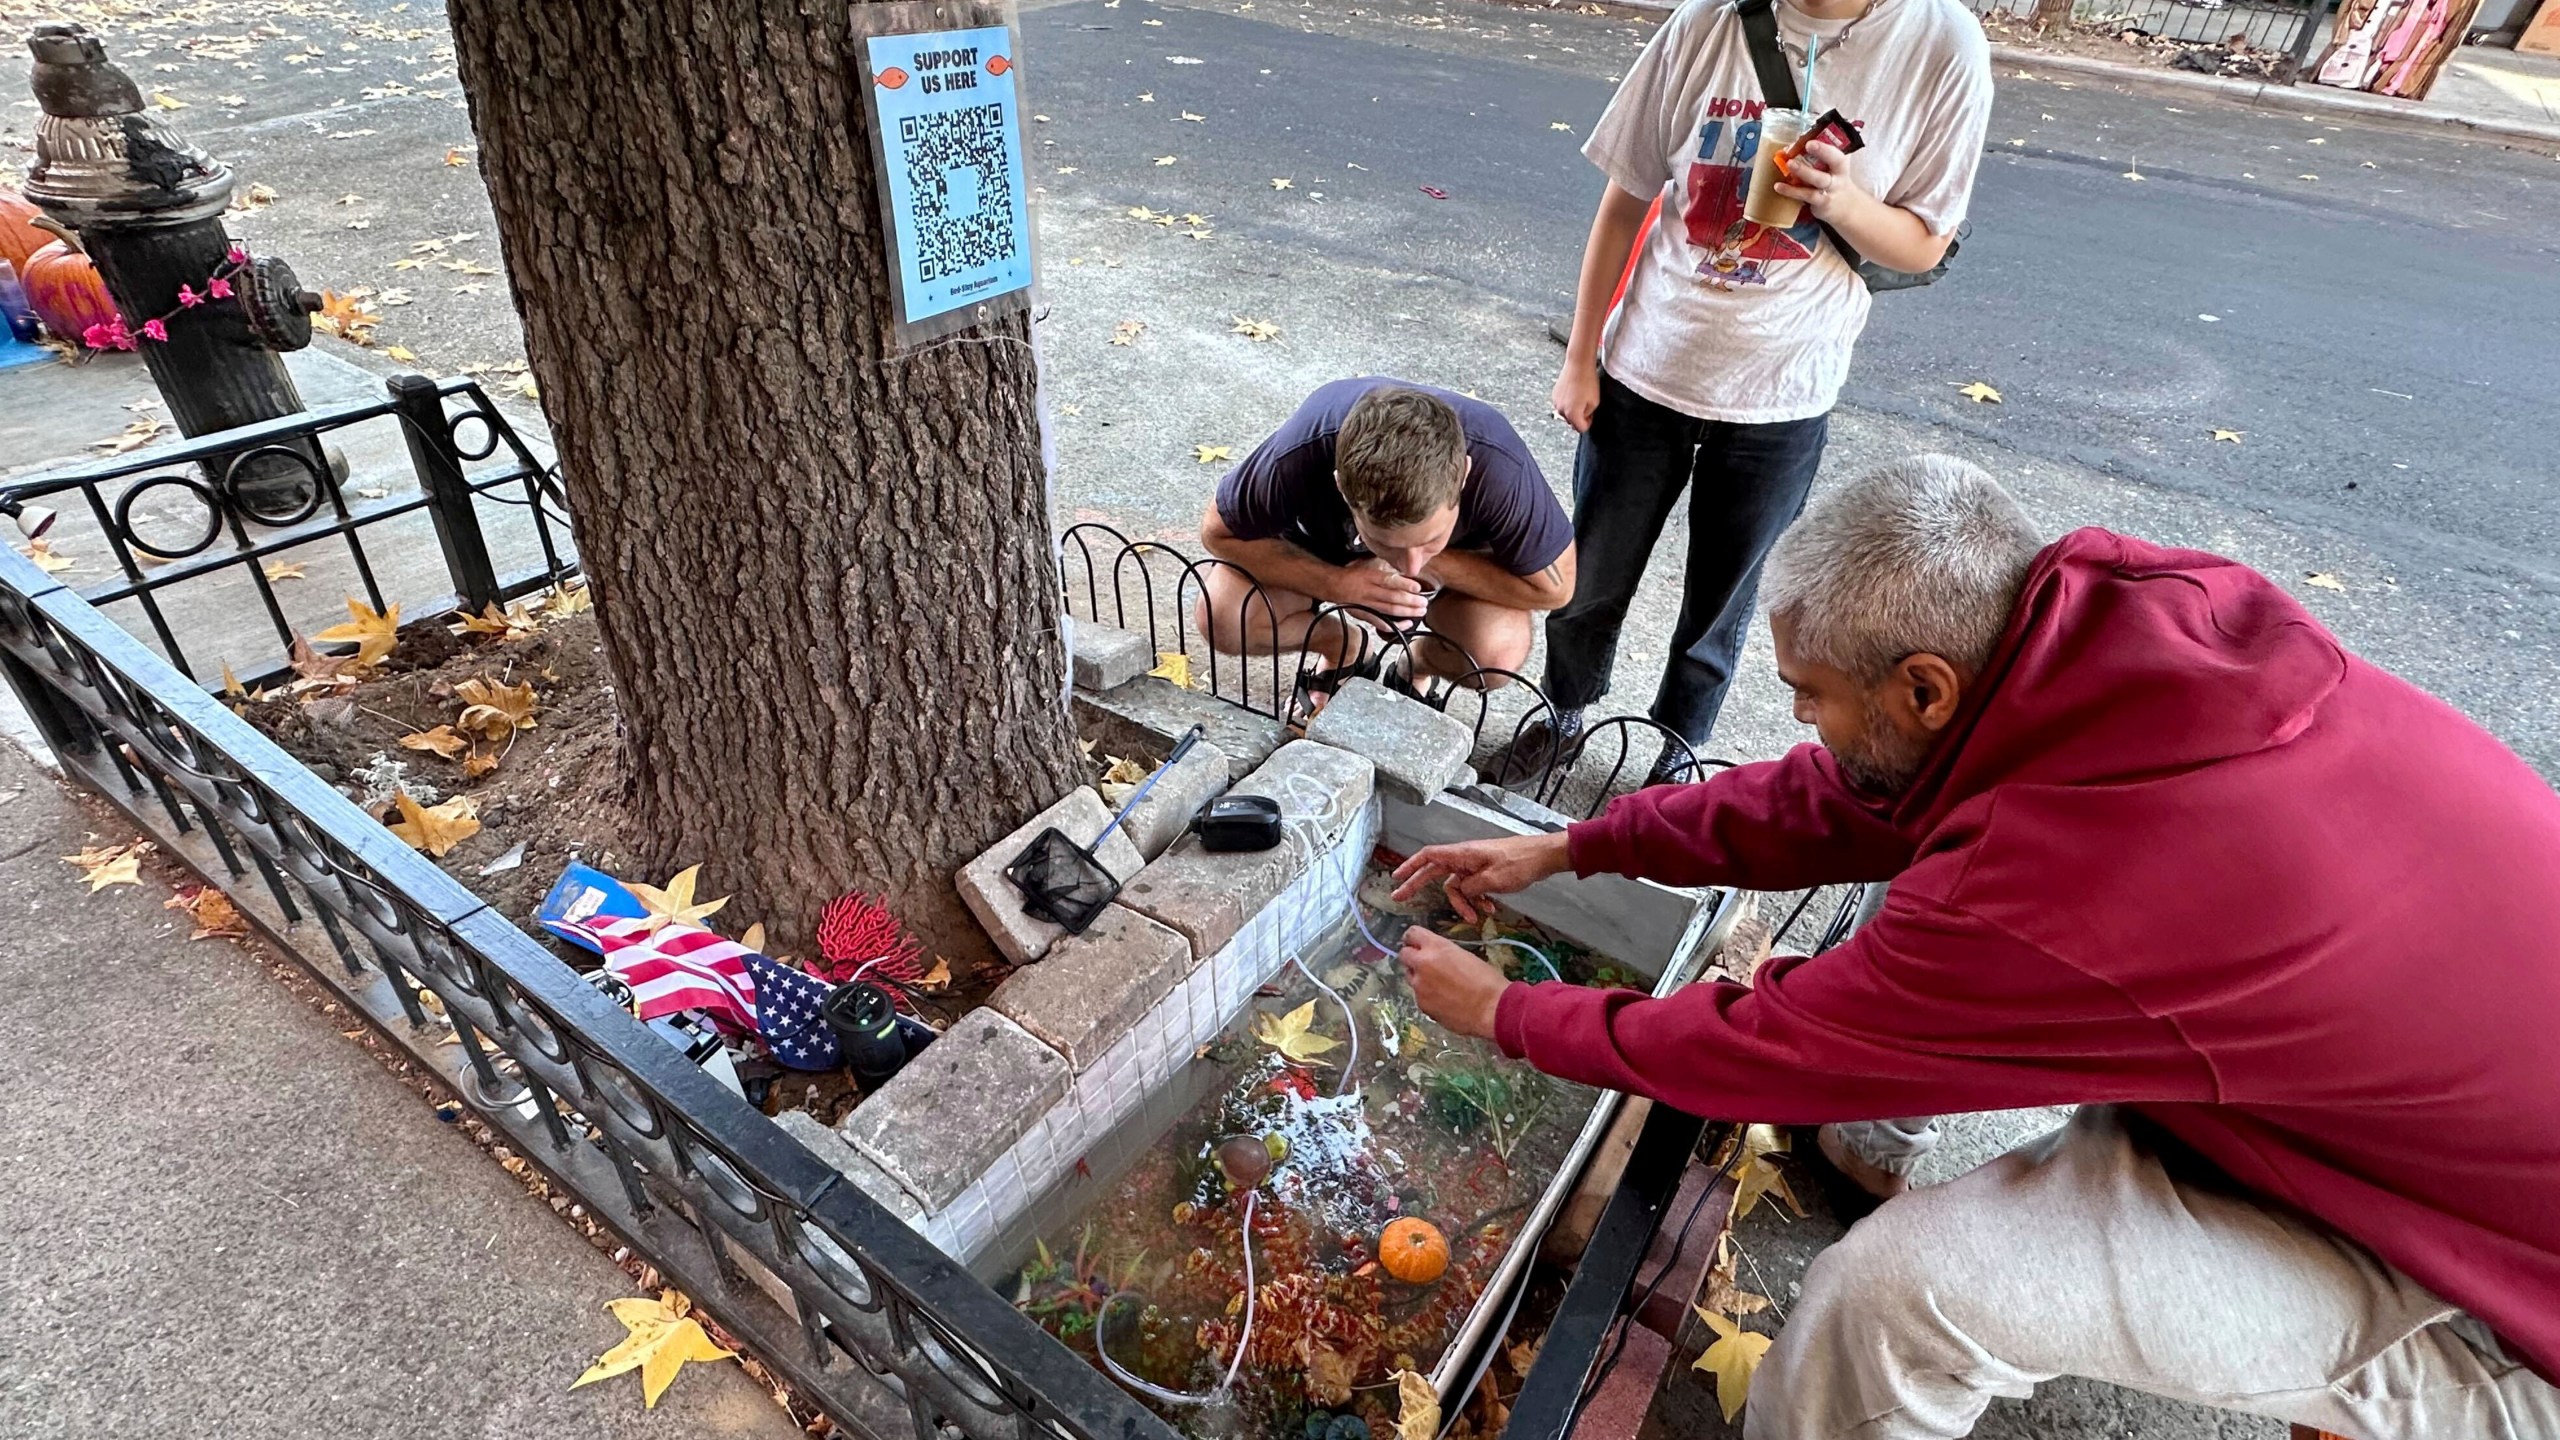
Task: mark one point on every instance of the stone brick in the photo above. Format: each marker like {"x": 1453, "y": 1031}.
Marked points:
{"x": 1206, "y": 898}
{"x": 1333, "y": 784}
{"x": 1160, "y": 819}
{"x": 958, "y": 1106}
{"x": 1104, "y": 656}
{"x": 832, "y": 1149}
{"x": 1419, "y": 751}
{"x": 998, "y": 905}
{"x": 1147, "y": 715}
{"x": 1094, "y": 988}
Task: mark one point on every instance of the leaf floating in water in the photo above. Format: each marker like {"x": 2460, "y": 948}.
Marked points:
{"x": 1293, "y": 1034}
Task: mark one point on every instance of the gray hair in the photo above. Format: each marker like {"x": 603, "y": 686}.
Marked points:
{"x": 1927, "y": 554}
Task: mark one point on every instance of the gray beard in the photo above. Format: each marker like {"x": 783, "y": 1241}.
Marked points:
{"x": 1886, "y": 762}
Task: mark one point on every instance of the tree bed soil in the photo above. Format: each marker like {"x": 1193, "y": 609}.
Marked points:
{"x": 557, "y": 790}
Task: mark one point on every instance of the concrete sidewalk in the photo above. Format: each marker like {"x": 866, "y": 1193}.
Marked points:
{"x": 226, "y": 1219}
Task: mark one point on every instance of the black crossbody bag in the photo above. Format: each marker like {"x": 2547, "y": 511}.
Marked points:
{"x": 1778, "y": 87}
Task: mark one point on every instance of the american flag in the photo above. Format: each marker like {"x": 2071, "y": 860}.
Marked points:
{"x": 690, "y": 968}
{"x": 678, "y": 968}
{"x": 787, "y": 1002}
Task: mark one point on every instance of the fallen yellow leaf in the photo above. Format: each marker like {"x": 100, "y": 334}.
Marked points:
{"x": 105, "y": 865}
{"x": 1173, "y": 665}
{"x": 567, "y": 600}
{"x": 1282, "y": 182}
{"x": 1758, "y": 1176}
{"x": 453, "y": 156}
{"x": 1732, "y": 1359}
{"x": 1212, "y": 454}
{"x": 1724, "y": 1294}
{"x": 1980, "y": 394}
{"x": 441, "y": 740}
{"x": 937, "y": 978}
{"x": 2231, "y": 435}
{"x": 493, "y": 711}
{"x": 475, "y": 765}
{"x": 1164, "y": 159}
{"x": 1417, "y": 1407}
{"x": 513, "y": 623}
{"x": 1293, "y": 1034}
{"x": 674, "y": 905}
{"x": 436, "y": 829}
{"x": 662, "y": 1336}
{"x": 284, "y": 570}
{"x": 1127, "y": 332}
{"x": 753, "y": 938}
{"x": 2326, "y": 581}
{"x": 47, "y": 560}
{"x": 374, "y": 634}
{"x": 1256, "y": 329}
{"x": 231, "y": 682}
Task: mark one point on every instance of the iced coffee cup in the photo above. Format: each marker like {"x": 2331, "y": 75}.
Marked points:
{"x": 1764, "y": 205}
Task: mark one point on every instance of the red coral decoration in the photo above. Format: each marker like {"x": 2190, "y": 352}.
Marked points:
{"x": 857, "y": 932}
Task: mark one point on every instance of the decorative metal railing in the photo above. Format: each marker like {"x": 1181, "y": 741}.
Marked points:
{"x": 865, "y": 1318}
{"x": 1154, "y": 589}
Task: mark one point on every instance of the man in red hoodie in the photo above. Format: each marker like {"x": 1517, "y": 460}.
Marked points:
{"x": 2287, "y": 928}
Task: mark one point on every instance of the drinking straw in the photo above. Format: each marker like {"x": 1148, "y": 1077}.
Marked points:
{"x": 1812, "y": 47}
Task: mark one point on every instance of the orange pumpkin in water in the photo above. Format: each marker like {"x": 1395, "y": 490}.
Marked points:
{"x": 1413, "y": 1251}
{"x": 63, "y": 287}
{"x": 19, "y": 239}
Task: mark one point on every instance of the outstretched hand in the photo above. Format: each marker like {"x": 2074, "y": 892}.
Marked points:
{"x": 1459, "y": 990}
{"x": 1473, "y": 870}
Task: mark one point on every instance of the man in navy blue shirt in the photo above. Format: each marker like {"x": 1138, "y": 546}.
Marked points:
{"x": 1403, "y": 504}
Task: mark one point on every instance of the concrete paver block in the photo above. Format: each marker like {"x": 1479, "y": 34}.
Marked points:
{"x": 833, "y": 1149}
{"x": 1105, "y": 656}
{"x": 998, "y": 905}
{"x": 1147, "y": 715}
{"x": 1206, "y": 898}
{"x": 1311, "y": 780}
{"x": 1167, "y": 811}
{"x": 958, "y": 1106}
{"x": 1419, "y": 751}
{"x": 1096, "y": 987}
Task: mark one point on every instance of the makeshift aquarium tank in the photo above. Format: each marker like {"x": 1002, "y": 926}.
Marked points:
{"x": 1334, "y": 1188}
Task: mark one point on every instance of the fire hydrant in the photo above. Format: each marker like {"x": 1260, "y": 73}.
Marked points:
{"x": 147, "y": 206}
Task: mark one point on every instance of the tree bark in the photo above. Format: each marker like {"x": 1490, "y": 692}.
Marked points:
{"x": 2052, "y": 13}
{"x": 824, "y": 574}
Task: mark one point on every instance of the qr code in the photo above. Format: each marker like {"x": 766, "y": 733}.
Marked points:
{"x": 957, "y": 172}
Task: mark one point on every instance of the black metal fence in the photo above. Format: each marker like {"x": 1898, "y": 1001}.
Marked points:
{"x": 1154, "y": 589}
{"x": 866, "y": 1318}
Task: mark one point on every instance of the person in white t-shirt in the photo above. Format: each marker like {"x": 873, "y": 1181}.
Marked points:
{"x": 1719, "y": 368}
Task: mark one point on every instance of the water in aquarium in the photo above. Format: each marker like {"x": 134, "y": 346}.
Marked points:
{"x": 1366, "y": 1168}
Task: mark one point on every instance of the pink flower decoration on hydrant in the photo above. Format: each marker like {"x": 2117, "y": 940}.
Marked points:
{"x": 238, "y": 256}
{"x": 218, "y": 288}
{"x": 188, "y": 297}
{"x": 154, "y": 330}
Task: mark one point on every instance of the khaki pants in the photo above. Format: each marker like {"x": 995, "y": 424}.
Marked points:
{"x": 2080, "y": 1254}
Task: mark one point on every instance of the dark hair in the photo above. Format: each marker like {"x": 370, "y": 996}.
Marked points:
{"x": 1400, "y": 457}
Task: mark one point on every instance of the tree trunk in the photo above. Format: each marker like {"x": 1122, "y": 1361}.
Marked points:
{"x": 825, "y": 575}
{"x": 2052, "y": 13}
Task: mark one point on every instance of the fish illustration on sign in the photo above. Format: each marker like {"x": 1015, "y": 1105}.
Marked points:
{"x": 892, "y": 78}
{"x": 997, "y": 64}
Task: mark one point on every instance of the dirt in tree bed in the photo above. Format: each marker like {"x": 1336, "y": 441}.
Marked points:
{"x": 553, "y": 787}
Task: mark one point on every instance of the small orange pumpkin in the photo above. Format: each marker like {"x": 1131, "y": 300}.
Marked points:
{"x": 1414, "y": 1251}
{"x": 63, "y": 288}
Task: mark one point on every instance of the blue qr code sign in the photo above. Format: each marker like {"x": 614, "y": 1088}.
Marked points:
{"x": 945, "y": 102}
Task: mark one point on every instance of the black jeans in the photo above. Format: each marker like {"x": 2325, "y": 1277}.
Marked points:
{"x": 1746, "y": 485}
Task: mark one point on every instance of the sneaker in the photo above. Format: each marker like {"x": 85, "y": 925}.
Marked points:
{"x": 1539, "y": 748}
{"x": 1672, "y": 767}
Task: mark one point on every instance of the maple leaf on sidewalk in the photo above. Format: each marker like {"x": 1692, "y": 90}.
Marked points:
{"x": 663, "y": 1336}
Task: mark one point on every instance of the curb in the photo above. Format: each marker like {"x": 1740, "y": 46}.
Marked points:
{"x": 2407, "y": 114}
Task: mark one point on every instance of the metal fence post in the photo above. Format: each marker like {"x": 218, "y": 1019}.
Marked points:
{"x": 448, "y": 491}
{"x": 2312, "y": 15}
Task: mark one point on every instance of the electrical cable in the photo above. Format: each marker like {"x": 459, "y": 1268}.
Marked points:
{"x": 1541, "y": 955}
{"x": 1777, "y": 939}
{"x": 1244, "y": 1338}
{"x": 1600, "y": 1372}
{"x": 1350, "y": 1024}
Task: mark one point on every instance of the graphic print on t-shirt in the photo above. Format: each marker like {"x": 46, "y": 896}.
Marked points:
{"x": 1732, "y": 251}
